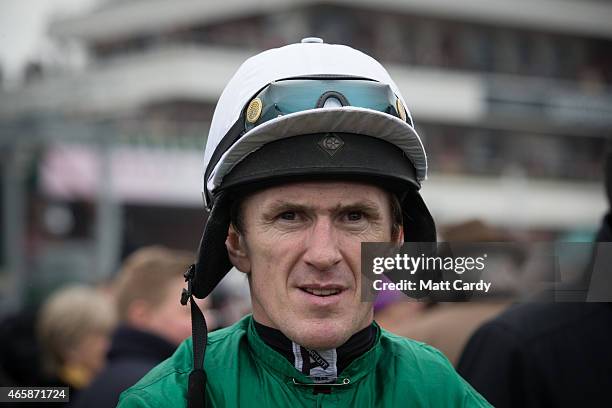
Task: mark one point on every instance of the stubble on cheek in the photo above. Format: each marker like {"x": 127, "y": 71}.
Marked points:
{"x": 268, "y": 277}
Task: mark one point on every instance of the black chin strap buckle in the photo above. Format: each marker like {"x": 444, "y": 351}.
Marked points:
{"x": 187, "y": 292}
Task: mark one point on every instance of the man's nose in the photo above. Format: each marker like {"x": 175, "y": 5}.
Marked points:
{"x": 322, "y": 250}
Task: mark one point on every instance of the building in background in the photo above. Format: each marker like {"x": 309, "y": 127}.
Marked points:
{"x": 513, "y": 99}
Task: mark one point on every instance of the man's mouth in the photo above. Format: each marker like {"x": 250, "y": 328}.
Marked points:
{"x": 322, "y": 292}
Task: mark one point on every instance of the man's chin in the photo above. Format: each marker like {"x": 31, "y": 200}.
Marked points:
{"x": 322, "y": 343}
{"x": 321, "y": 335}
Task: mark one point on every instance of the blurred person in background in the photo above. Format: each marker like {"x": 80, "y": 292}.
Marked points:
{"x": 152, "y": 321}
{"x": 74, "y": 327}
{"x": 448, "y": 324}
{"x": 549, "y": 354}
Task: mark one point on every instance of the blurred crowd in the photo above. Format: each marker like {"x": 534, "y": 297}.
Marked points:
{"x": 100, "y": 340}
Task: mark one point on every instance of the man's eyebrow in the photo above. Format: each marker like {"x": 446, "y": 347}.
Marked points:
{"x": 281, "y": 205}
{"x": 364, "y": 205}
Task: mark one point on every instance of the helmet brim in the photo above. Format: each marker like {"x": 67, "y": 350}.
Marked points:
{"x": 347, "y": 119}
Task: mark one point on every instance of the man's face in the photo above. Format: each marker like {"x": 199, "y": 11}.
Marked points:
{"x": 301, "y": 245}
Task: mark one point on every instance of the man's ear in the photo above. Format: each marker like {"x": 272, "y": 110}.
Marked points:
{"x": 237, "y": 251}
{"x": 400, "y": 235}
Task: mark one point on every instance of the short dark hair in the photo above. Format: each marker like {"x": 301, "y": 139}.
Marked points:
{"x": 396, "y": 215}
{"x": 237, "y": 220}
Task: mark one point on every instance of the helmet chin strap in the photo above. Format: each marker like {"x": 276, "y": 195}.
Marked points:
{"x": 199, "y": 332}
{"x": 214, "y": 262}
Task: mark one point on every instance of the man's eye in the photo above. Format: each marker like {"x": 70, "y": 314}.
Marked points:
{"x": 354, "y": 216}
{"x": 288, "y": 216}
